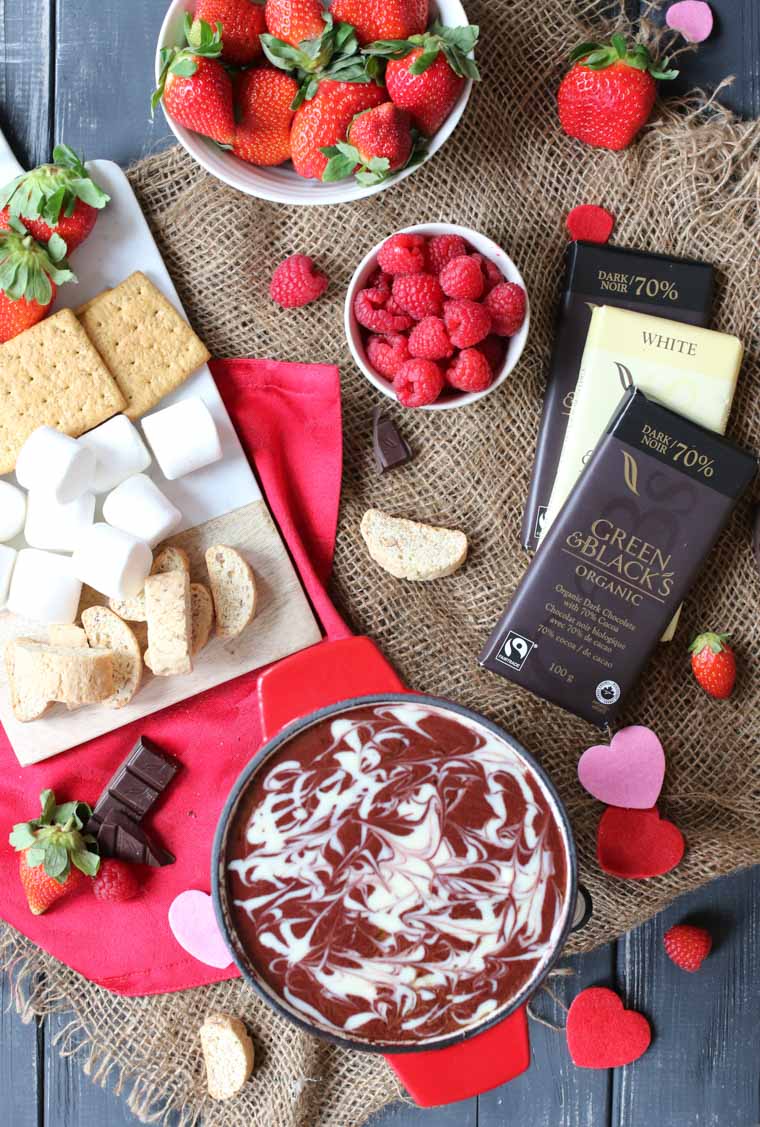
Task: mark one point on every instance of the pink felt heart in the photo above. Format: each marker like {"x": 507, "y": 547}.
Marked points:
{"x": 692, "y": 18}
{"x": 194, "y": 926}
{"x": 627, "y": 772}
{"x": 601, "y": 1033}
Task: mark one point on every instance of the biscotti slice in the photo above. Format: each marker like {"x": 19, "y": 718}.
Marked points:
{"x": 71, "y": 675}
{"x": 167, "y": 609}
{"x": 228, "y": 1053}
{"x": 26, "y": 702}
{"x": 106, "y": 630}
{"x": 66, "y": 635}
{"x": 202, "y": 611}
{"x": 233, "y": 588}
{"x": 169, "y": 559}
{"x": 411, "y": 550}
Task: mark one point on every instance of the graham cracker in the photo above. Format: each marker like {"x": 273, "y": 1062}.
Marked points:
{"x": 148, "y": 347}
{"x": 51, "y": 375}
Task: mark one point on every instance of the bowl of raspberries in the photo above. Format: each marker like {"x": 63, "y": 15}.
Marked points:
{"x": 314, "y": 101}
{"x": 436, "y": 316}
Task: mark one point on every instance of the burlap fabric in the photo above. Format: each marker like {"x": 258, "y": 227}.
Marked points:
{"x": 691, "y": 186}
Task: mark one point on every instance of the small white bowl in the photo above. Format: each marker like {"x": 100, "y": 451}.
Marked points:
{"x": 282, "y": 184}
{"x": 483, "y": 245}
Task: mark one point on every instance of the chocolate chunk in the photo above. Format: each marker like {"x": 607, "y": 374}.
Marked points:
{"x": 390, "y": 447}
{"x": 123, "y": 838}
{"x": 756, "y": 535}
{"x": 137, "y": 784}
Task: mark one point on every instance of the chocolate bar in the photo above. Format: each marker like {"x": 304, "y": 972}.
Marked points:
{"x": 122, "y": 837}
{"x": 390, "y": 447}
{"x": 137, "y": 785}
{"x": 621, "y": 555}
{"x": 603, "y": 275}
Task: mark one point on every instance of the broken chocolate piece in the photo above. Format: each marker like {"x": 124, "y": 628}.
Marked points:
{"x": 137, "y": 784}
{"x": 390, "y": 447}
{"x": 123, "y": 838}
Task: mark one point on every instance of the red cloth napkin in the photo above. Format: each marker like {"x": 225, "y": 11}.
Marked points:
{"x": 288, "y": 418}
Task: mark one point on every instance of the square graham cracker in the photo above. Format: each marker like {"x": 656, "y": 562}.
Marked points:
{"x": 149, "y": 349}
{"x": 52, "y": 375}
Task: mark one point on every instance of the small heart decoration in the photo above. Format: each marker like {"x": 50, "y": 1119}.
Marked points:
{"x": 194, "y": 926}
{"x": 590, "y": 222}
{"x": 628, "y": 772}
{"x": 601, "y": 1033}
{"x": 637, "y": 844}
{"x": 692, "y": 18}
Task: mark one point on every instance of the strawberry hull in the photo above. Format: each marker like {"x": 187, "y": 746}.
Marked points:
{"x": 324, "y": 121}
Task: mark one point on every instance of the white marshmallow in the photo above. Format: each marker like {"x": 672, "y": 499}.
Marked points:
{"x": 52, "y": 461}
{"x": 183, "y": 438}
{"x": 119, "y": 452}
{"x": 44, "y": 588}
{"x": 12, "y": 510}
{"x": 7, "y": 563}
{"x": 112, "y": 561}
{"x": 57, "y": 527}
{"x": 138, "y": 506}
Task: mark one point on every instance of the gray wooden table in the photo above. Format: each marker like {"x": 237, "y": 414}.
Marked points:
{"x": 79, "y": 70}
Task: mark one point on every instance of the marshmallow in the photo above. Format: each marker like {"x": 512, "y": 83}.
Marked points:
{"x": 138, "y": 506}
{"x": 12, "y": 510}
{"x": 43, "y": 587}
{"x": 183, "y": 438}
{"x": 119, "y": 452}
{"x": 52, "y": 461}
{"x": 7, "y": 563}
{"x": 54, "y": 526}
{"x": 112, "y": 561}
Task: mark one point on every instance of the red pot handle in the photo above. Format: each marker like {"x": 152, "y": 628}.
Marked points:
{"x": 352, "y": 667}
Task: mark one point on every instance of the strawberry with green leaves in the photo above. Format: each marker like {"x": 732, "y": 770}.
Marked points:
{"x": 333, "y": 54}
{"x": 379, "y": 142}
{"x": 382, "y": 19}
{"x": 29, "y": 276}
{"x": 324, "y": 120}
{"x": 194, "y": 85}
{"x": 55, "y": 199}
{"x": 242, "y": 23}
{"x": 55, "y": 853}
{"x": 295, "y": 21}
{"x": 713, "y": 664}
{"x": 608, "y": 95}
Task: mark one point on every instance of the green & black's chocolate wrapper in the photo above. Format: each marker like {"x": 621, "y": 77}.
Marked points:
{"x": 620, "y": 557}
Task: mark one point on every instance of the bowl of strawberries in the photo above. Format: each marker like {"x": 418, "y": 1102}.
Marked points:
{"x": 300, "y": 103}
{"x": 437, "y": 316}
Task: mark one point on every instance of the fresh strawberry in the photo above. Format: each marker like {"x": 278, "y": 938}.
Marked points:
{"x": 29, "y": 277}
{"x": 507, "y": 304}
{"x": 442, "y": 248}
{"x": 418, "y": 383}
{"x": 324, "y": 121}
{"x": 469, "y": 371}
{"x": 295, "y": 21}
{"x": 379, "y": 142}
{"x": 195, "y": 87}
{"x": 426, "y": 73}
{"x": 467, "y": 322}
{"x": 462, "y": 277}
{"x": 429, "y": 340}
{"x": 264, "y": 95}
{"x": 713, "y": 664}
{"x": 382, "y": 19}
{"x": 54, "y": 851}
{"x": 419, "y": 295}
{"x": 296, "y": 282}
{"x": 55, "y": 199}
{"x": 242, "y": 23}
{"x": 688, "y": 946}
{"x": 608, "y": 94}
{"x": 387, "y": 354}
{"x": 403, "y": 254}
{"x": 115, "y": 881}
{"x": 370, "y": 310}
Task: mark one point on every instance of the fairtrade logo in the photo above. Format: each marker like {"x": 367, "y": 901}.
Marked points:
{"x": 515, "y": 650}
{"x": 630, "y": 472}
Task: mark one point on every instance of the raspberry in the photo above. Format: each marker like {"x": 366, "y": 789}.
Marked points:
{"x": 467, "y": 322}
{"x": 429, "y": 340}
{"x": 296, "y": 282}
{"x": 419, "y": 295}
{"x": 442, "y": 248}
{"x": 387, "y": 354}
{"x": 687, "y": 946}
{"x": 470, "y": 371}
{"x": 380, "y": 281}
{"x": 492, "y": 275}
{"x": 403, "y": 254}
{"x": 115, "y": 881}
{"x": 370, "y": 311}
{"x": 462, "y": 277}
{"x": 506, "y": 304}
{"x": 418, "y": 382}
{"x": 493, "y": 348}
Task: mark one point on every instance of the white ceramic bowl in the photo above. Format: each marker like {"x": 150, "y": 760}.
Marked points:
{"x": 483, "y": 245}
{"x": 282, "y": 184}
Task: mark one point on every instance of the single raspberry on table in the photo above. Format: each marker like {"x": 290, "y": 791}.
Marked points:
{"x": 403, "y": 254}
{"x": 116, "y": 881}
{"x": 387, "y": 354}
{"x": 418, "y": 383}
{"x": 429, "y": 340}
{"x": 442, "y": 248}
{"x": 467, "y": 322}
{"x": 469, "y": 371}
{"x": 419, "y": 295}
{"x": 371, "y": 312}
{"x": 494, "y": 349}
{"x": 688, "y": 946}
{"x": 492, "y": 275}
{"x": 462, "y": 277}
{"x": 506, "y": 303}
{"x": 296, "y": 282}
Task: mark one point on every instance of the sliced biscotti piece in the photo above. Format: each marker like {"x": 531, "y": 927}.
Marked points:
{"x": 72, "y": 675}
{"x": 26, "y": 702}
{"x": 169, "y": 559}
{"x": 131, "y": 610}
{"x": 169, "y": 616}
{"x": 233, "y": 588}
{"x": 66, "y": 635}
{"x": 411, "y": 550}
{"x": 106, "y": 630}
{"x": 228, "y": 1053}
{"x": 202, "y": 611}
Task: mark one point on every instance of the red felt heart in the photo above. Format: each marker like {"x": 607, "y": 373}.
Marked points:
{"x": 601, "y": 1033}
{"x": 637, "y": 843}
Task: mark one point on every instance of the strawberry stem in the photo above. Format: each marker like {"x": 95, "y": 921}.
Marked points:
{"x": 598, "y": 56}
